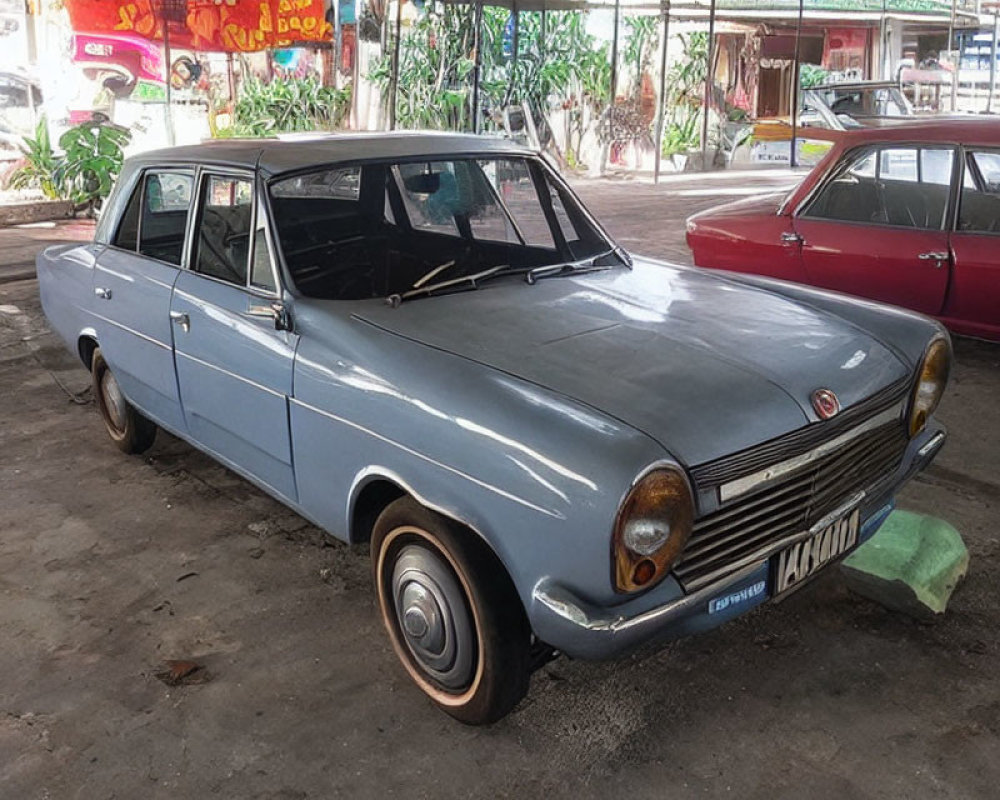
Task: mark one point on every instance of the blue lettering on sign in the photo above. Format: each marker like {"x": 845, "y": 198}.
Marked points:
{"x": 736, "y": 598}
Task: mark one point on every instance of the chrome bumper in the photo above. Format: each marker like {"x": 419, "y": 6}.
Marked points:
{"x": 582, "y": 630}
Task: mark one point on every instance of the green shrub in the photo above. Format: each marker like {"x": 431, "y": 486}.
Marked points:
{"x": 285, "y": 106}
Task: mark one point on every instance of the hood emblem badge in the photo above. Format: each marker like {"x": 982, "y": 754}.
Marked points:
{"x": 825, "y": 403}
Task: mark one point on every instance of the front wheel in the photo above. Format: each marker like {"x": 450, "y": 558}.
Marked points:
{"x": 128, "y": 429}
{"x": 452, "y": 614}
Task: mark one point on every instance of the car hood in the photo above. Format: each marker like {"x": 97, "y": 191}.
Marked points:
{"x": 766, "y": 205}
{"x": 705, "y": 365}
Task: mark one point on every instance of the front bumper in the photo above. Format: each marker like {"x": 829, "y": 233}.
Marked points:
{"x": 582, "y": 630}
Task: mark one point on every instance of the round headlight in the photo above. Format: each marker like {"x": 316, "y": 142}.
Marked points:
{"x": 932, "y": 377}
{"x": 652, "y": 527}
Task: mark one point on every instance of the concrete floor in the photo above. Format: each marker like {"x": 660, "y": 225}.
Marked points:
{"x": 109, "y": 565}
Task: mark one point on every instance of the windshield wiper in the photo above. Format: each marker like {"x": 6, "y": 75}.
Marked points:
{"x": 464, "y": 281}
{"x": 574, "y": 267}
{"x": 433, "y": 273}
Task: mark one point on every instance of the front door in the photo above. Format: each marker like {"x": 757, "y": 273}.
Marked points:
{"x": 974, "y": 299}
{"x": 234, "y": 368}
{"x": 133, "y": 281}
{"x": 878, "y": 227}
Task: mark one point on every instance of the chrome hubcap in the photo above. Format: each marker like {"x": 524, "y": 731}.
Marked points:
{"x": 436, "y": 626}
{"x": 113, "y": 400}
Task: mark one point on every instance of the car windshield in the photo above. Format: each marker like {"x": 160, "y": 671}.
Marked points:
{"x": 379, "y": 229}
{"x": 875, "y": 101}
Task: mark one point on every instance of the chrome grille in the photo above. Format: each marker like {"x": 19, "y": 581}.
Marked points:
{"x": 797, "y": 442}
{"x": 747, "y": 527}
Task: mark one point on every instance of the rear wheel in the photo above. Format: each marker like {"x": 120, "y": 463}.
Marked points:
{"x": 451, "y": 612}
{"x": 128, "y": 429}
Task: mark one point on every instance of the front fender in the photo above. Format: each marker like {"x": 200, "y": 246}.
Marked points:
{"x": 538, "y": 476}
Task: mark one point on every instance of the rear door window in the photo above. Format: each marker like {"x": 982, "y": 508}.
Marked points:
{"x": 166, "y": 203}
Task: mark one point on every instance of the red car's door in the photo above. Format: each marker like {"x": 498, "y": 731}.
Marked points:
{"x": 973, "y": 304}
{"x": 878, "y": 227}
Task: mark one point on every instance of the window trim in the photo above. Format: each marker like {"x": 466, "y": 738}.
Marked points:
{"x": 950, "y": 211}
{"x": 140, "y": 184}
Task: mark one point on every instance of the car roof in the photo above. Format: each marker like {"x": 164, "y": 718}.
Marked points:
{"x": 288, "y": 153}
{"x": 950, "y": 130}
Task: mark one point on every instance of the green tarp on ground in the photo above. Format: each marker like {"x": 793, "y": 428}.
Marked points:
{"x": 912, "y": 564}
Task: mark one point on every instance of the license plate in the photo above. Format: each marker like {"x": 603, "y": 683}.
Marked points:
{"x": 803, "y": 559}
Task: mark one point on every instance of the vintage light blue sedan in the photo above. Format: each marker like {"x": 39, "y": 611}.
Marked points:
{"x": 426, "y": 342}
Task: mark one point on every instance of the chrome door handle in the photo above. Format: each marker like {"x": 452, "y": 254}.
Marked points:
{"x": 935, "y": 256}
{"x": 181, "y": 319}
{"x": 102, "y": 293}
{"x": 789, "y": 237}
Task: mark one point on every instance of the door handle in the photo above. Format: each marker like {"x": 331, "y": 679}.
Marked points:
{"x": 937, "y": 257}
{"x": 790, "y": 237}
{"x": 182, "y": 319}
{"x": 102, "y": 293}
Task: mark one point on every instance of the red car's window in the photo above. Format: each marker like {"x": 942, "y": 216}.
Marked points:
{"x": 901, "y": 186}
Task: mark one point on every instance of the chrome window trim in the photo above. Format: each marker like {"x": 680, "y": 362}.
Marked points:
{"x": 764, "y": 477}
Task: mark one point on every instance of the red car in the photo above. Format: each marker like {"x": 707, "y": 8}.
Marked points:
{"x": 908, "y": 215}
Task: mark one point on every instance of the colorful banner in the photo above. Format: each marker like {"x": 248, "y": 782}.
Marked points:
{"x": 226, "y": 26}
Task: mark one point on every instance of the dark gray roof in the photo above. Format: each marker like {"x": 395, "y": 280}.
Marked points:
{"x": 295, "y": 151}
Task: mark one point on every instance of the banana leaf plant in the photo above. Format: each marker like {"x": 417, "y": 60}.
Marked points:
{"x": 41, "y": 162}
{"x": 91, "y": 161}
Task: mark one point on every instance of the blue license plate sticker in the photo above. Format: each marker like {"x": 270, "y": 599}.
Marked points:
{"x": 737, "y": 597}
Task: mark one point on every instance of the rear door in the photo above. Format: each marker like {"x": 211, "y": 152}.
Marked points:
{"x": 878, "y": 227}
{"x": 973, "y": 305}
{"x": 234, "y": 367}
{"x": 133, "y": 281}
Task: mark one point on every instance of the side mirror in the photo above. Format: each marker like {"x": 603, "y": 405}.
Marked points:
{"x": 282, "y": 319}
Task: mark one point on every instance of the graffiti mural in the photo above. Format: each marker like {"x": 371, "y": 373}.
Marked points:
{"x": 207, "y": 25}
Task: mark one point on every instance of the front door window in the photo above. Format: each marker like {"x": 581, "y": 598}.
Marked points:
{"x": 903, "y": 187}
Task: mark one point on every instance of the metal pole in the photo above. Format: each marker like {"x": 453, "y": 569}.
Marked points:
{"x": 166, "y": 58}
{"x": 954, "y": 72}
{"x": 515, "y": 46}
{"x": 793, "y": 156}
{"x": 658, "y": 144}
{"x": 337, "y": 45}
{"x": 993, "y": 60}
{"x": 477, "y": 39}
{"x": 614, "y": 80}
{"x": 395, "y": 65}
{"x": 883, "y": 68}
{"x": 709, "y": 80}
